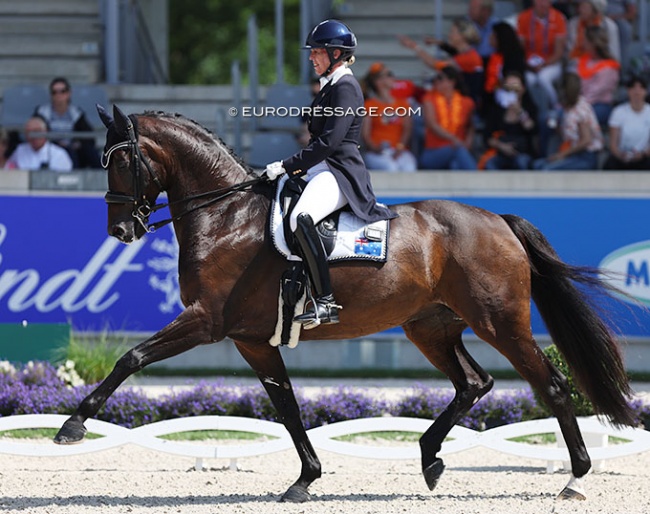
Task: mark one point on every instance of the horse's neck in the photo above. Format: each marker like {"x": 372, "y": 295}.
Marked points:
{"x": 208, "y": 166}
{"x": 219, "y": 216}
{"x": 205, "y": 172}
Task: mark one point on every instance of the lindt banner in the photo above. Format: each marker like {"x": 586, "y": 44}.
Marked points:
{"x": 58, "y": 264}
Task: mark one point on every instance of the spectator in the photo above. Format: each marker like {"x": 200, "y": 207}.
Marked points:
{"x": 4, "y": 147}
{"x": 508, "y": 57}
{"x": 386, "y": 133}
{"x": 462, "y": 35}
{"x": 629, "y": 130}
{"x": 582, "y": 138}
{"x": 591, "y": 13}
{"x": 510, "y": 127}
{"x": 623, "y": 13}
{"x": 449, "y": 126}
{"x": 544, "y": 34}
{"x": 599, "y": 73}
{"x": 480, "y": 12}
{"x": 62, "y": 115}
{"x": 405, "y": 89}
{"x": 38, "y": 153}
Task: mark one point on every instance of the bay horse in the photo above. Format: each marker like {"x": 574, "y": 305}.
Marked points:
{"x": 451, "y": 266}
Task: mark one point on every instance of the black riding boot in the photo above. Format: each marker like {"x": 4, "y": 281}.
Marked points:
{"x": 324, "y": 309}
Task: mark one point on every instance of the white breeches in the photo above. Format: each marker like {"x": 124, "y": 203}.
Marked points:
{"x": 321, "y": 196}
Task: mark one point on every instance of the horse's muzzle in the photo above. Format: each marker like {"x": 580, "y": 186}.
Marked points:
{"x": 123, "y": 232}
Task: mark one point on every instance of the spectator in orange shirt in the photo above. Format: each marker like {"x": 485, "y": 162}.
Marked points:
{"x": 386, "y": 130}
{"x": 591, "y": 13}
{"x": 449, "y": 126}
{"x": 543, "y": 31}
{"x": 459, "y": 46}
{"x": 599, "y": 73}
{"x": 462, "y": 38}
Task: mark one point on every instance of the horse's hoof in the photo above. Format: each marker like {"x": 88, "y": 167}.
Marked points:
{"x": 433, "y": 472}
{"x": 71, "y": 432}
{"x": 570, "y": 494}
{"x": 574, "y": 490}
{"x": 296, "y": 494}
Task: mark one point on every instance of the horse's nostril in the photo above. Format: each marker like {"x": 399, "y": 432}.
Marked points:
{"x": 121, "y": 233}
{"x": 117, "y": 231}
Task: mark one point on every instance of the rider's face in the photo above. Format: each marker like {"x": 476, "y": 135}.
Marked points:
{"x": 320, "y": 60}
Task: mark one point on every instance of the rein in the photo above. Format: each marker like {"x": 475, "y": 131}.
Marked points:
{"x": 142, "y": 208}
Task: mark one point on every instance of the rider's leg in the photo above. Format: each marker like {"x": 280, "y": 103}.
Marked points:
{"x": 320, "y": 198}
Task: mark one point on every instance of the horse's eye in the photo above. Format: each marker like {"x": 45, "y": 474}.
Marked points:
{"x": 123, "y": 166}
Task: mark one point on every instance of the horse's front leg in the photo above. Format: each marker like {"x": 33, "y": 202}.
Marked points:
{"x": 191, "y": 328}
{"x": 267, "y": 363}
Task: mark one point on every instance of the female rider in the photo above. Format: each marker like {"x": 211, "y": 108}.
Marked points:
{"x": 331, "y": 163}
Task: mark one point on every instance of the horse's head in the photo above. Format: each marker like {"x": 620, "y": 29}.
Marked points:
{"x": 133, "y": 185}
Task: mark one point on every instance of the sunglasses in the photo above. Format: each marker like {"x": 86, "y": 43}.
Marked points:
{"x": 59, "y": 91}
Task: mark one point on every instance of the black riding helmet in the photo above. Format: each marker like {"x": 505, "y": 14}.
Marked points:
{"x": 331, "y": 35}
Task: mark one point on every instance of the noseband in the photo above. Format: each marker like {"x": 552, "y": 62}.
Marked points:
{"x": 142, "y": 208}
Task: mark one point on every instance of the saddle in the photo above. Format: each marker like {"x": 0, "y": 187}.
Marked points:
{"x": 326, "y": 228}
{"x": 344, "y": 237}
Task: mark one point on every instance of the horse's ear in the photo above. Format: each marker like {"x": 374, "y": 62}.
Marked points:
{"x": 121, "y": 120}
{"x": 104, "y": 116}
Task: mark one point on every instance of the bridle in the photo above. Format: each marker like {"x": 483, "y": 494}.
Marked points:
{"x": 142, "y": 208}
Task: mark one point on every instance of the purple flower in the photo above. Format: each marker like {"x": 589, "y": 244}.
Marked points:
{"x": 35, "y": 388}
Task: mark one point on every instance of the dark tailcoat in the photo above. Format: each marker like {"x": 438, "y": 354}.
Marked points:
{"x": 335, "y": 129}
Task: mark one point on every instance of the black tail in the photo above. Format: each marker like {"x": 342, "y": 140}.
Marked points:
{"x": 586, "y": 342}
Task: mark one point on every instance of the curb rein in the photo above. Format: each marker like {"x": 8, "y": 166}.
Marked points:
{"x": 142, "y": 208}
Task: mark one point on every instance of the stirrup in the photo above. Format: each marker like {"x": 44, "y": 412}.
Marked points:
{"x": 322, "y": 313}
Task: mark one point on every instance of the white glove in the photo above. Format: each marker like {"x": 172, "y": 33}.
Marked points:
{"x": 274, "y": 170}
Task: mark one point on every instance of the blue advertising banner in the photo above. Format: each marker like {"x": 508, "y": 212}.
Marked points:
{"x": 58, "y": 264}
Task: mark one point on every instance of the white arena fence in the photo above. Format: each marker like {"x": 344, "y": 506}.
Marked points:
{"x": 595, "y": 432}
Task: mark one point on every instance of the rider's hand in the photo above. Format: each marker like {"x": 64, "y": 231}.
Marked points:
{"x": 274, "y": 170}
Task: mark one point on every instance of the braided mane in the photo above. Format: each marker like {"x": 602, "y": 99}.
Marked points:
{"x": 197, "y": 130}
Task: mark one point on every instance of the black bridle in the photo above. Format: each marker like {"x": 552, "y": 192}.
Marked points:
{"x": 142, "y": 208}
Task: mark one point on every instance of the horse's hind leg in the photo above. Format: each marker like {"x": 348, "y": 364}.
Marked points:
{"x": 509, "y": 332}
{"x": 442, "y": 345}
{"x": 531, "y": 363}
{"x": 188, "y": 330}
{"x": 267, "y": 363}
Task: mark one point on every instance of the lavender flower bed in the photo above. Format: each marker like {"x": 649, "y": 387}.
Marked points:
{"x": 39, "y": 388}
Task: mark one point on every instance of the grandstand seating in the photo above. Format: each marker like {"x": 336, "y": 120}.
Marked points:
{"x": 19, "y": 103}
{"x": 267, "y": 147}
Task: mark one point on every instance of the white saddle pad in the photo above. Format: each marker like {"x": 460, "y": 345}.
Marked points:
{"x": 355, "y": 240}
